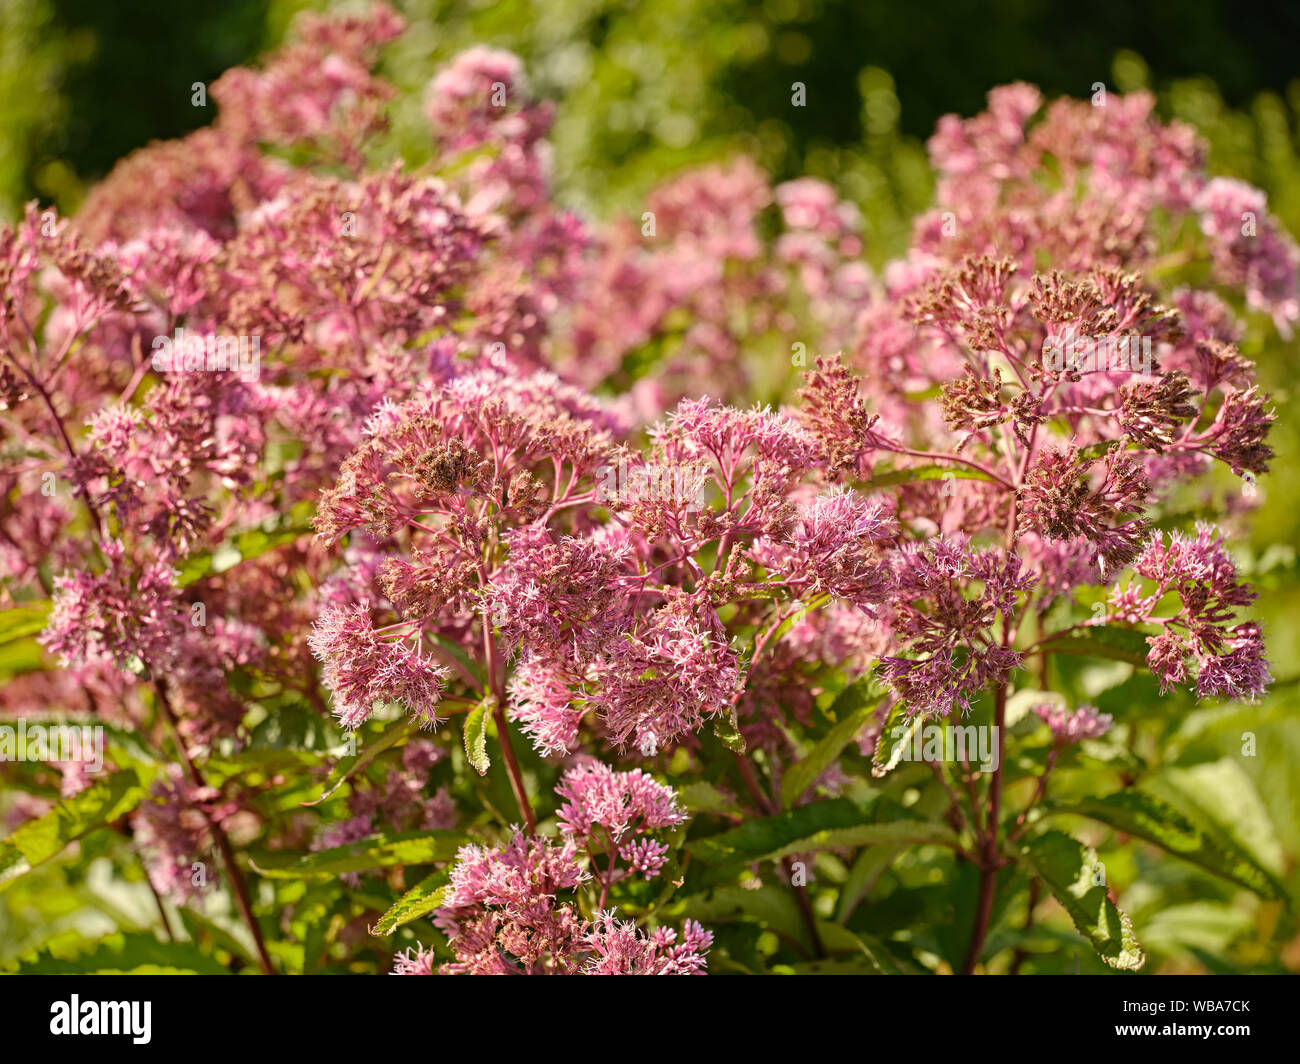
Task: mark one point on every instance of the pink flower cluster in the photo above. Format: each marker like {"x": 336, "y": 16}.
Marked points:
{"x": 175, "y": 827}
{"x": 513, "y": 910}
{"x": 1066, "y": 727}
{"x": 1201, "y": 640}
{"x": 601, "y": 804}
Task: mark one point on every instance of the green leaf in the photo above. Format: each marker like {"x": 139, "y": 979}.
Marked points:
{"x": 476, "y": 737}
{"x": 17, "y": 622}
{"x": 894, "y": 832}
{"x": 1066, "y": 866}
{"x": 129, "y": 952}
{"x": 1222, "y": 797}
{"x": 208, "y": 934}
{"x": 867, "y": 869}
{"x": 376, "y": 851}
{"x": 924, "y": 472}
{"x": 856, "y": 966}
{"x": 770, "y": 906}
{"x": 701, "y": 797}
{"x": 1152, "y": 819}
{"x": 816, "y": 602}
{"x": 877, "y": 959}
{"x": 1103, "y": 641}
{"x": 827, "y": 825}
{"x": 135, "y": 665}
{"x": 851, "y": 710}
{"x": 729, "y": 734}
{"x": 419, "y": 901}
{"x": 245, "y": 546}
{"x": 889, "y": 752}
{"x": 1202, "y": 926}
{"x": 38, "y": 840}
{"x": 21, "y": 656}
{"x": 754, "y": 838}
{"x": 774, "y": 907}
{"x": 350, "y": 765}
{"x": 1095, "y": 450}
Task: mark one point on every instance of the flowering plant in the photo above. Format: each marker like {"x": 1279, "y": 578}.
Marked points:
{"x": 466, "y": 587}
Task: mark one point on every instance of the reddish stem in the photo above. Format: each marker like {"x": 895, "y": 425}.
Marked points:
{"x": 769, "y": 807}
{"x": 240, "y": 889}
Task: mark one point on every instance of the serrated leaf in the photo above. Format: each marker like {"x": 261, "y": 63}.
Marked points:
{"x": 419, "y": 901}
{"x": 476, "y": 724}
{"x": 851, "y": 710}
{"x": 1066, "y": 866}
{"x": 826, "y": 825}
{"x": 754, "y": 838}
{"x": 924, "y": 472}
{"x": 889, "y": 751}
{"x": 1222, "y": 797}
{"x": 1150, "y": 818}
{"x": 894, "y": 832}
{"x": 38, "y": 840}
{"x": 701, "y": 797}
{"x": 376, "y": 851}
{"x": 347, "y": 767}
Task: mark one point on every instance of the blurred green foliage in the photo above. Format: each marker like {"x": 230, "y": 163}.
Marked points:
{"x": 644, "y": 88}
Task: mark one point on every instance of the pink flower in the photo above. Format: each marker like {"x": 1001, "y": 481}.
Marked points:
{"x": 544, "y": 704}
{"x": 480, "y": 83}
{"x": 1250, "y": 248}
{"x": 621, "y": 949}
{"x": 1084, "y": 723}
{"x": 948, "y": 626}
{"x": 662, "y": 683}
{"x": 363, "y": 667}
{"x": 552, "y": 595}
{"x": 1067, "y": 496}
{"x": 1226, "y": 659}
{"x": 646, "y": 856}
{"x": 174, "y": 826}
{"x": 124, "y": 616}
{"x": 504, "y": 914}
{"x": 414, "y": 961}
{"x": 834, "y": 549}
{"x": 618, "y": 802}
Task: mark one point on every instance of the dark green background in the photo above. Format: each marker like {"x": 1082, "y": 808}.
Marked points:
{"x": 83, "y": 82}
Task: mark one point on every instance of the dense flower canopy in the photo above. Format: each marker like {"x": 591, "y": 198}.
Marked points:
{"x": 481, "y": 461}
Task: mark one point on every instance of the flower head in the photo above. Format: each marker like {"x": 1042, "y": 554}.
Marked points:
{"x": 1084, "y": 723}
